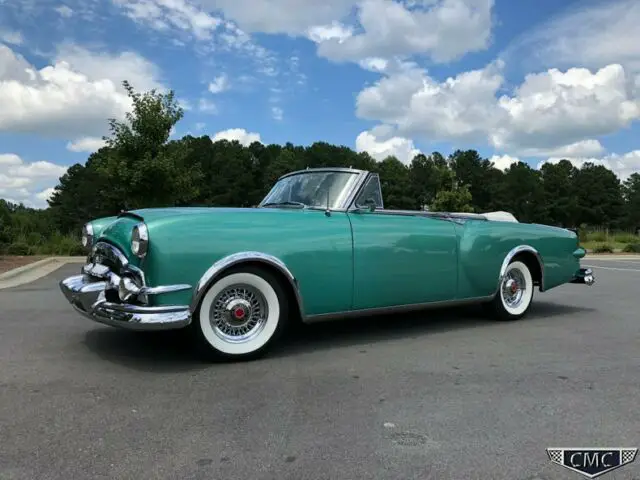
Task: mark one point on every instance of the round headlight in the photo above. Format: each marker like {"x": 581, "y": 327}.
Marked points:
{"x": 140, "y": 240}
{"x": 87, "y": 235}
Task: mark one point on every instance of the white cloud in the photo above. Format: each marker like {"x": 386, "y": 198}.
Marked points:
{"x": 582, "y": 148}
{"x": 589, "y": 34}
{"x": 219, "y": 84}
{"x": 458, "y": 108}
{"x": 142, "y": 74}
{"x": 64, "y": 11}
{"x": 239, "y": 134}
{"x": 550, "y": 113}
{"x": 207, "y": 106}
{"x": 71, "y": 98}
{"x": 28, "y": 183}
{"x": 334, "y": 30}
{"x": 292, "y": 17}
{"x": 166, "y": 14}
{"x": 380, "y": 144}
{"x": 445, "y": 30}
{"x": 277, "y": 113}
{"x": 623, "y": 165}
{"x": 555, "y": 108}
{"x": 503, "y": 162}
{"x": 86, "y": 144}
{"x": 11, "y": 37}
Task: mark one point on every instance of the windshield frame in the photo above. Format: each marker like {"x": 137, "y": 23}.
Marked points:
{"x": 343, "y": 199}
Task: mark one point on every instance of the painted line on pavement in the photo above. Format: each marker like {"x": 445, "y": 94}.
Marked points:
{"x": 598, "y": 267}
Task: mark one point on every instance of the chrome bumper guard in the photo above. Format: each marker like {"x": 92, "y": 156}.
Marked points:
{"x": 88, "y": 294}
{"x": 584, "y": 276}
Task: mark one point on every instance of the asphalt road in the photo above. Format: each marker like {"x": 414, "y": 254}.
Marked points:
{"x": 442, "y": 395}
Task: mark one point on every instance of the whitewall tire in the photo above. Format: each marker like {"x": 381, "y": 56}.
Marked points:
{"x": 241, "y": 314}
{"x": 515, "y": 293}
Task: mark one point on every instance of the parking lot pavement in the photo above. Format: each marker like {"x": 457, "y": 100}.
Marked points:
{"x": 436, "y": 395}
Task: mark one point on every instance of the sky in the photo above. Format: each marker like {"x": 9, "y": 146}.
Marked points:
{"x": 520, "y": 81}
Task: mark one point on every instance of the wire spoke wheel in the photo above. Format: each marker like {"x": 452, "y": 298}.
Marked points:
{"x": 514, "y": 286}
{"x": 515, "y": 292}
{"x": 242, "y": 313}
{"x": 238, "y": 313}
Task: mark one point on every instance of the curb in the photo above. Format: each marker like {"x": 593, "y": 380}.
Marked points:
{"x": 26, "y": 268}
{"x": 35, "y": 270}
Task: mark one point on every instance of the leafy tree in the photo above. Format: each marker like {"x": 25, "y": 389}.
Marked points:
{"x": 453, "y": 197}
{"x": 140, "y": 166}
{"x": 631, "y": 192}
{"x": 599, "y": 196}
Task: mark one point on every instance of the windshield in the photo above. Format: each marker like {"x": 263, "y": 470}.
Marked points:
{"x": 311, "y": 189}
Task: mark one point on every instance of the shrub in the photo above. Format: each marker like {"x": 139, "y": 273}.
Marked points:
{"x": 626, "y": 238}
{"x": 596, "y": 237}
{"x": 603, "y": 248}
{"x": 18, "y": 248}
{"x": 631, "y": 248}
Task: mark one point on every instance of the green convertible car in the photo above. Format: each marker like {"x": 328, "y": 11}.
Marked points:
{"x": 320, "y": 245}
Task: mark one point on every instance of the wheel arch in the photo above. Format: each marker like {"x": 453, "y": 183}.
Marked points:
{"x": 259, "y": 259}
{"x": 531, "y": 258}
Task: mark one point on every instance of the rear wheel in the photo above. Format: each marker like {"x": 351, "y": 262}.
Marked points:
{"x": 241, "y": 315}
{"x": 515, "y": 293}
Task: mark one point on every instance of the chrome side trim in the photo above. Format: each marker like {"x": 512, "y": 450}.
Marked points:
{"x": 221, "y": 265}
{"x": 413, "y": 307}
{"x": 164, "y": 289}
{"x": 512, "y": 253}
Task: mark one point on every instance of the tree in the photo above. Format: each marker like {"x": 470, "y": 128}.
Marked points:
{"x": 452, "y": 197}
{"x": 142, "y": 167}
{"x": 631, "y": 192}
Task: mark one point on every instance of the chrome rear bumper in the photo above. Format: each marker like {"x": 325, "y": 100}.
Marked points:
{"x": 584, "y": 276}
{"x": 96, "y": 296}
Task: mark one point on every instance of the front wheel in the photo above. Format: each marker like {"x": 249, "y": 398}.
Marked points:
{"x": 241, "y": 314}
{"x": 515, "y": 293}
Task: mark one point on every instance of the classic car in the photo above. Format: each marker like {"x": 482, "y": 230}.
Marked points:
{"x": 320, "y": 245}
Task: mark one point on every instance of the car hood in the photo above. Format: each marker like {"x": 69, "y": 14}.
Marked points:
{"x": 118, "y": 229}
{"x": 150, "y": 214}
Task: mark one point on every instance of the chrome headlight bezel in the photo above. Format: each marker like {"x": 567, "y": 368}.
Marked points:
{"x": 87, "y": 236}
{"x": 140, "y": 240}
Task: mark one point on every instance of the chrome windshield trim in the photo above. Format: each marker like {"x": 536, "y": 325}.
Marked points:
{"x": 323, "y": 169}
{"x": 350, "y": 204}
{"x": 346, "y": 197}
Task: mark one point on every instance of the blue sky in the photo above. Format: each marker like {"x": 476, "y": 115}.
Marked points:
{"x": 526, "y": 80}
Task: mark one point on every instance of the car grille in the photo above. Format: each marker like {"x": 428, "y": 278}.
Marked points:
{"x": 115, "y": 261}
{"x": 108, "y": 263}
{"x": 109, "y": 256}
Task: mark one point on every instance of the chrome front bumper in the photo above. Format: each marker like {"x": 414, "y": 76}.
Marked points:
{"x": 95, "y": 294}
{"x": 584, "y": 276}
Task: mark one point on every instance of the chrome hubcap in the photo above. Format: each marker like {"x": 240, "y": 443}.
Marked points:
{"x": 513, "y": 288}
{"x": 238, "y": 313}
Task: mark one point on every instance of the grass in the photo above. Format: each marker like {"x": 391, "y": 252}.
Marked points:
{"x": 36, "y": 244}
{"x": 610, "y": 242}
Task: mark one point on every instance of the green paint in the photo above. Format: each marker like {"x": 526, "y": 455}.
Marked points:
{"x": 343, "y": 261}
